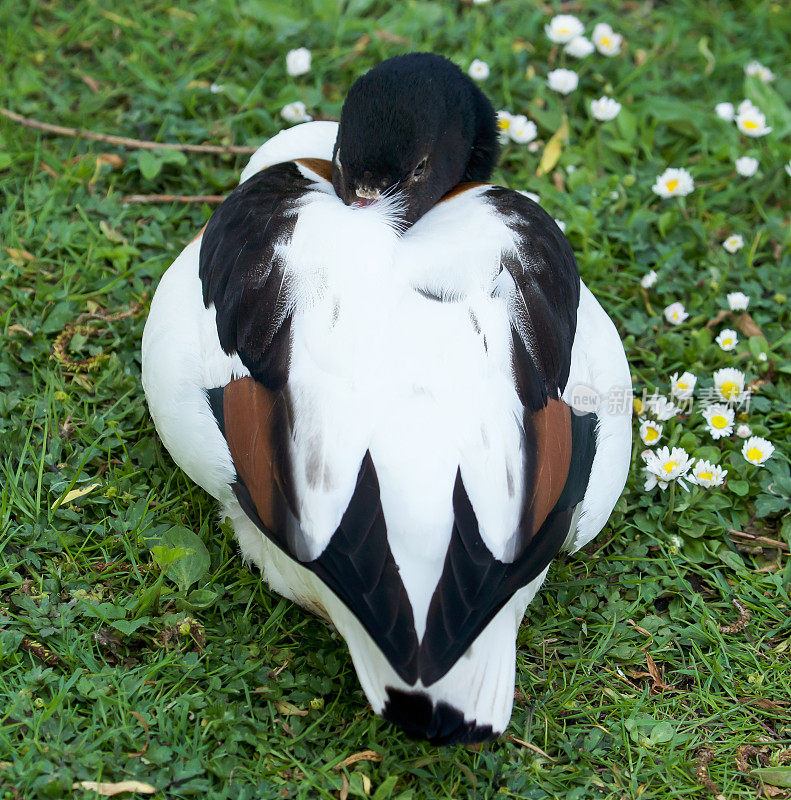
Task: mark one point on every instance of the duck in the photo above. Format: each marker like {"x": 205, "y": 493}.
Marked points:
{"x": 388, "y": 372}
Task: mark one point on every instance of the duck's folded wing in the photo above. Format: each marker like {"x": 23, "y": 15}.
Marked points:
{"x": 539, "y": 282}
{"x": 245, "y": 277}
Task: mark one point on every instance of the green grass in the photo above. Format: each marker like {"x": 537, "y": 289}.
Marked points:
{"x": 216, "y": 719}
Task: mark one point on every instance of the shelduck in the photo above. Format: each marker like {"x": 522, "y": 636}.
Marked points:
{"x": 388, "y": 372}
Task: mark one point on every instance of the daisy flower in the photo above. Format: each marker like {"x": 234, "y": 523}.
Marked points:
{"x": 757, "y": 450}
{"x": 504, "y": 120}
{"x": 744, "y": 431}
{"x": 522, "y": 130}
{"x": 673, "y": 183}
{"x": 746, "y": 166}
{"x": 295, "y": 112}
{"x": 719, "y": 420}
{"x": 563, "y": 80}
{"x": 607, "y": 42}
{"x": 579, "y": 47}
{"x": 707, "y": 474}
{"x": 662, "y": 408}
{"x": 650, "y": 432}
{"x": 724, "y": 111}
{"x": 738, "y": 301}
{"x": 298, "y": 61}
{"x": 675, "y": 313}
{"x": 682, "y": 386}
{"x": 733, "y": 243}
{"x": 729, "y": 383}
{"x": 563, "y": 28}
{"x": 605, "y": 108}
{"x": 727, "y": 339}
{"x": 666, "y": 465}
{"x": 757, "y": 69}
{"x": 752, "y": 122}
{"x": 746, "y": 106}
{"x": 649, "y": 279}
{"x": 479, "y": 70}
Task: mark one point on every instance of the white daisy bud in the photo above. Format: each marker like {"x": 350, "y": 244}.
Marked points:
{"x": 479, "y": 70}
{"x": 761, "y": 72}
{"x": 746, "y": 166}
{"x": 738, "y": 301}
{"x": 649, "y": 279}
{"x": 563, "y": 80}
{"x": 522, "y": 129}
{"x": 579, "y": 47}
{"x": 605, "y": 108}
{"x": 295, "y": 112}
{"x": 744, "y": 431}
{"x": 298, "y": 61}
{"x": 724, "y": 111}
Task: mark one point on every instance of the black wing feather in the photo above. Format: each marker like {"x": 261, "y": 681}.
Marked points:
{"x": 242, "y": 275}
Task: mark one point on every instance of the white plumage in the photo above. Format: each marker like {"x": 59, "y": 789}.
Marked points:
{"x": 379, "y": 364}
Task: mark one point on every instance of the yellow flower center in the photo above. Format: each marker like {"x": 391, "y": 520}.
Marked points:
{"x": 727, "y": 341}
{"x": 750, "y": 125}
{"x": 681, "y": 386}
{"x": 719, "y": 421}
{"x": 754, "y": 454}
{"x": 706, "y": 476}
{"x": 605, "y": 41}
{"x": 672, "y": 185}
{"x": 729, "y": 389}
{"x": 669, "y": 467}
{"x": 674, "y": 315}
{"x": 651, "y": 434}
{"x": 563, "y": 31}
{"x": 504, "y": 123}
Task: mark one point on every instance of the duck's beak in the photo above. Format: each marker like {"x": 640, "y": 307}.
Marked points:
{"x": 365, "y": 197}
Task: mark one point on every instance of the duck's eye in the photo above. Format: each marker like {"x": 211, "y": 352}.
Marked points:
{"x": 420, "y": 168}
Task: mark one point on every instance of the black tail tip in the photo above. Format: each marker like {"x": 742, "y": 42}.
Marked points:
{"x": 440, "y": 724}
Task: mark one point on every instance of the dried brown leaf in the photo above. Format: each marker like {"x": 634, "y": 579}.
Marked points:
{"x": 19, "y": 256}
{"x": 746, "y": 324}
{"x": 111, "y": 789}
{"x": 529, "y": 746}
{"x": 289, "y": 709}
{"x": 724, "y": 314}
{"x": 142, "y": 720}
{"x": 658, "y": 682}
{"x": 363, "y": 755}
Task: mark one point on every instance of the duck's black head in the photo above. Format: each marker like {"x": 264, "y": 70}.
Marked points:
{"x": 415, "y": 126}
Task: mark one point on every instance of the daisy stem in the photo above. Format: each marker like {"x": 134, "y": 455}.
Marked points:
{"x": 600, "y": 152}
{"x": 671, "y": 505}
